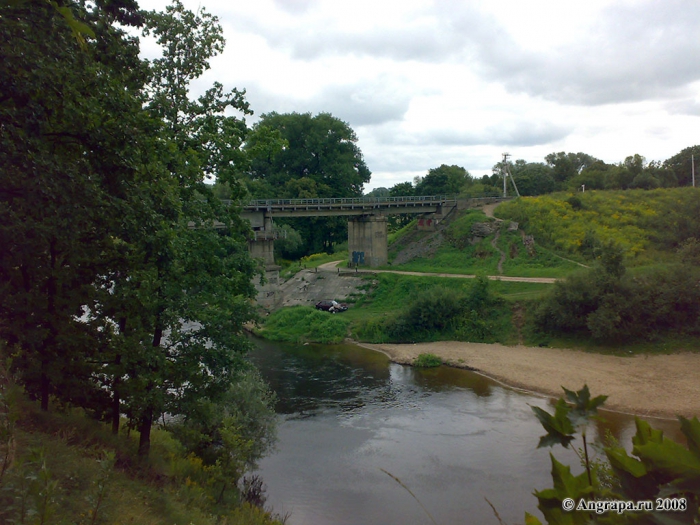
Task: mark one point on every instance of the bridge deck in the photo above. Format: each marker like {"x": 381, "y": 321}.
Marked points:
{"x": 350, "y": 206}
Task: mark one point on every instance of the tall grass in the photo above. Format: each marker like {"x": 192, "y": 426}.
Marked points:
{"x": 410, "y": 309}
{"x": 463, "y": 253}
{"x": 642, "y": 222}
{"x": 69, "y": 468}
{"x": 305, "y": 324}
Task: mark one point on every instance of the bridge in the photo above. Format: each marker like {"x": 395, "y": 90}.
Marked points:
{"x": 367, "y": 224}
{"x": 350, "y": 206}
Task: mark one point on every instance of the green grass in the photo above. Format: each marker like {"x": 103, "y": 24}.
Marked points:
{"x": 483, "y": 258}
{"x": 305, "y": 324}
{"x": 457, "y": 255}
{"x": 391, "y": 295}
{"x": 648, "y": 225}
{"x": 310, "y": 261}
{"x": 427, "y": 361}
{"x": 668, "y": 344}
{"x": 396, "y": 236}
{"x": 514, "y": 291}
{"x": 166, "y": 489}
{"x": 388, "y": 296}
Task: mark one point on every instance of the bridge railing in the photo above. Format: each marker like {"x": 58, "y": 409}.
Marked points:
{"x": 347, "y": 200}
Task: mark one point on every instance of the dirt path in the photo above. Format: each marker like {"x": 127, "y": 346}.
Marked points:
{"x": 494, "y": 243}
{"x": 659, "y": 385}
{"x": 331, "y": 267}
{"x": 488, "y": 210}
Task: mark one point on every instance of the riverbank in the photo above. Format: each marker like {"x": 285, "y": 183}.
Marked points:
{"x": 646, "y": 385}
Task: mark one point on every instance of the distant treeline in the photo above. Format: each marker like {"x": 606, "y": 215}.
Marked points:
{"x": 559, "y": 172}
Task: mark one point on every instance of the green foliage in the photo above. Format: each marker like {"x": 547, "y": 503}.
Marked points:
{"x": 379, "y": 192}
{"x": 681, "y": 165}
{"x": 443, "y": 180}
{"x": 689, "y": 251}
{"x": 612, "y": 306}
{"x": 459, "y": 255}
{"x": 657, "y": 468}
{"x": 289, "y": 243}
{"x": 459, "y": 232}
{"x": 427, "y": 361}
{"x": 425, "y": 310}
{"x": 305, "y": 324}
{"x": 72, "y": 119}
{"x": 533, "y": 178}
{"x": 566, "y": 165}
{"x": 320, "y": 158}
{"x": 637, "y": 221}
{"x": 118, "y": 294}
{"x": 73, "y": 470}
{"x": 235, "y": 432}
{"x": 433, "y": 309}
{"x": 402, "y": 189}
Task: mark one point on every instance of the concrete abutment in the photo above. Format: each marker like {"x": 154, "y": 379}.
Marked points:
{"x": 367, "y": 241}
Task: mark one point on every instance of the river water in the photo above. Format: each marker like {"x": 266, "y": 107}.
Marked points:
{"x": 348, "y": 416}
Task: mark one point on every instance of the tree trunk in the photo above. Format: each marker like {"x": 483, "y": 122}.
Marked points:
{"x": 45, "y": 385}
{"x": 145, "y": 429}
{"x": 116, "y": 383}
{"x": 115, "y": 403}
{"x": 147, "y": 418}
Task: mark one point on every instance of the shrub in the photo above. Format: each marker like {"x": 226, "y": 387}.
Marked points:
{"x": 434, "y": 309}
{"x": 613, "y": 306}
{"x": 303, "y": 323}
{"x": 427, "y": 361}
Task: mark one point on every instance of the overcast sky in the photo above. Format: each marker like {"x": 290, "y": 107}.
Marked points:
{"x": 457, "y": 82}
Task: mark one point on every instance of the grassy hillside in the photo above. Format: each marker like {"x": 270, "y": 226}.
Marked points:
{"x": 637, "y": 291}
{"x": 62, "y": 467}
{"x": 648, "y": 225}
{"x": 462, "y": 252}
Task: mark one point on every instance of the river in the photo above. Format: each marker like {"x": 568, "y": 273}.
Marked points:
{"x": 348, "y": 416}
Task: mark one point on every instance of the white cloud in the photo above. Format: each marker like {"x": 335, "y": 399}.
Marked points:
{"x": 430, "y": 82}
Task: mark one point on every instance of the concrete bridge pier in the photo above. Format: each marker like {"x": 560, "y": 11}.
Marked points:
{"x": 367, "y": 244}
{"x": 262, "y": 246}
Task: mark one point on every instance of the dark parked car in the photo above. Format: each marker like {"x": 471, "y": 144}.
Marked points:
{"x": 331, "y": 306}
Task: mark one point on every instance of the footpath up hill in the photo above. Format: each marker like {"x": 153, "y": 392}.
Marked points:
{"x": 474, "y": 243}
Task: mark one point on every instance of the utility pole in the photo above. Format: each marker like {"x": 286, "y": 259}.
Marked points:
{"x": 692, "y": 161}
{"x": 506, "y": 173}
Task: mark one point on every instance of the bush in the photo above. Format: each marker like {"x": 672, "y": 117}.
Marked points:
{"x": 427, "y": 361}
{"x": 434, "y": 309}
{"x": 612, "y": 306}
{"x": 440, "y": 312}
{"x": 305, "y": 324}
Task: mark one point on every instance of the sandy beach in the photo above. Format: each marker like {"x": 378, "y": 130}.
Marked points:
{"x": 646, "y": 385}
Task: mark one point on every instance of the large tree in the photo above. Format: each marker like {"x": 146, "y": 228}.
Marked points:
{"x": 320, "y": 148}
{"x": 682, "y": 165}
{"x": 114, "y": 281}
{"x": 532, "y": 178}
{"x": 180, "y": 305}
{"x": 297, "y": 155}
{"x": 567, "y": 165}
{"x": 69, "y": 117}
{"x": 443, "y": 180}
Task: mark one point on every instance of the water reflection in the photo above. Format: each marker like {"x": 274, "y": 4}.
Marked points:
{"x": 453, "y": 437}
